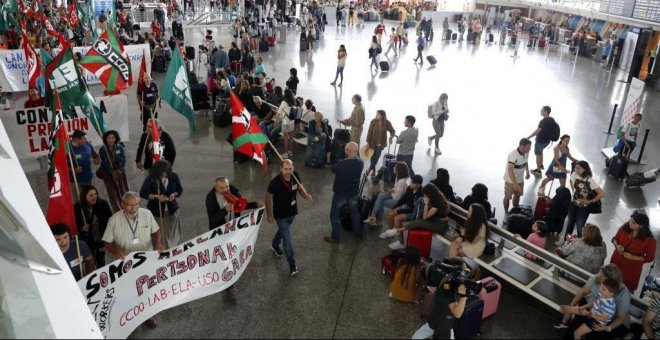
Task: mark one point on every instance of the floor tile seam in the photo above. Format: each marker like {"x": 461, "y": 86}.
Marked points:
{"x": 346, "y": 285}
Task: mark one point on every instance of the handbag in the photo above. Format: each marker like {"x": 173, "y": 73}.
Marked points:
{"x": 596, "y": 207}
{"x": 102, "y": 174}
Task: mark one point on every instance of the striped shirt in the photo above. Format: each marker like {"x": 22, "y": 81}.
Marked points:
{"x": 655, "y": 324}
{"x": 604, "y": 306}
{"x": 121, "y": 232}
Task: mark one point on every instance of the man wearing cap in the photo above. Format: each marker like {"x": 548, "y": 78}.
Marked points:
{"x": 345, "y": 191}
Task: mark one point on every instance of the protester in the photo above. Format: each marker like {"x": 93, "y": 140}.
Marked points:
{"x": 147, "y": 97}
{"x": 145, "y": 147}
{"x": 92, "y": 215}
{"x": 77, "y": 256}
{"x": 162, "y": 188}
{"x": 84, "y": 155}
{"x": 113, "y": 168}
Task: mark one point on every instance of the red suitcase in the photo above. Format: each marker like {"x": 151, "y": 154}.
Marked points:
{"x": 236, "y": 67}
{"x": 271, "y": 41}
{"x": 421, "y": 238}
{"x": 387, "y": 266}
{"x": 542, "y": 205}
{"x": 490, "y": 293}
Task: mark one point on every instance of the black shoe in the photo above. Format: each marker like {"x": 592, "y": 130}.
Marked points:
{"x": 293, "y": 270}
{"x": 278, "y": 252}
{"x": 330, "y": 240}
{"x": 536, "y": 171}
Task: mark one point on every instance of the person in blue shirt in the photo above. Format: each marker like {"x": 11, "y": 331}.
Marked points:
{"x": 345, "y": 191}
{"x": 83, "y": 156}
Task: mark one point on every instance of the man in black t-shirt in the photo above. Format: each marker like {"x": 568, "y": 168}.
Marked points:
{"x": 282, "y": 207}
{"x": 147, "y": 97}
{"x": 543, "y": 137}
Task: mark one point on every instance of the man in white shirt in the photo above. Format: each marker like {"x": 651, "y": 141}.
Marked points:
{"x": 628, "y": 139}
{"x": 516, "y": 167}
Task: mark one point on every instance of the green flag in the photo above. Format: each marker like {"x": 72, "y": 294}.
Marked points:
{"x": 6, "y": 19}
{"x": 176, "y": 89}
{"x": 11, "y": 6}
{"x": 90, "y": 19}
{"x": 64, "y": 76}
{"x": 93, "y": 112}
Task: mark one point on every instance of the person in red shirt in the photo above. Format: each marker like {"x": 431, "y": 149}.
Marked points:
{"x": 33, "y": 99}
{"x": 11, "y": 38}
{"x": 635, "y": 245}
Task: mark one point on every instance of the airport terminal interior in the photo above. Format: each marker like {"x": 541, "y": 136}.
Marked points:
{"x": 494, "y": 98}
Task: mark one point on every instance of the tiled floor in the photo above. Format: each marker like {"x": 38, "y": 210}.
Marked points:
{"x": 340, "y": 293}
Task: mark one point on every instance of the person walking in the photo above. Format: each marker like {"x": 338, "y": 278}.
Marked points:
{"x": 421, "y": 43}
{"x": 341, "y": 63}
{"x": 516, "y": 167}
{"x": 92, "y": 215}
{"x": 543, "y": 135}
{"x": 83, "y": 157}
{"x": 147, "y": 97}
{"x": 113, "y": 168}
{"x": 407, "y": 140}
{"x": 161, "y": 188}
{"x": 374, "y": 52}
{"x": 439, "y": 112}
{"x": 557, "y": 168}
{"x": 356, "y": 120}
{"x": 145, "y": 147}
{"x": 345, "y": 191}
{"x": 391, "y": 44}
{"x": 282, "y": 208}
{"x": 377, "y": 137}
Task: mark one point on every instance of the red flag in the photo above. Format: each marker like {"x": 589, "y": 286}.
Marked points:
{"x": 247, "y": 136}
{"x": 143, "y": 70}
{"x": 155, "y": 137}
{"x": 108, "y": 60}
{"x": 60, "y": 203}
{"x": 73, "y": 15}
{"x": 33, "y": 60}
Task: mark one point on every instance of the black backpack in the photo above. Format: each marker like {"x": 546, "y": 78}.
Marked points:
{"x": 554, "y": 131}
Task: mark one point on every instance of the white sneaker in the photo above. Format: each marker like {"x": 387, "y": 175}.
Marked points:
{"x": 369, "y": 220}
{"x": 437, "y": 150}
{"x": 388, "y": 233}
{"x": 396, "y": 245}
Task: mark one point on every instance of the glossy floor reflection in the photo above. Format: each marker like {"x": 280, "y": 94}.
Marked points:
{"x": 494, "y": 101}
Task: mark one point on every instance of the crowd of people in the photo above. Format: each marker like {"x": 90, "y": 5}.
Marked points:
{"x": 111, "y": 228}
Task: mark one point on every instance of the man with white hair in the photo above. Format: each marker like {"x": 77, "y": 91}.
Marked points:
{"x": 345, "y": 191}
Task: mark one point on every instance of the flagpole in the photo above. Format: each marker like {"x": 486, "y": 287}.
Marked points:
{"x": 160, "y": 212}
{"x": 75, "y": 181}
{"x": 281, "y": 159}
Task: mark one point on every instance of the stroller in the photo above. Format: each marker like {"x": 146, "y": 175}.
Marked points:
{"x": 638, "y": 179}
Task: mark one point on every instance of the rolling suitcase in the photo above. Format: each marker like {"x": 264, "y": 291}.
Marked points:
{"x": 447, "y": 35}
{"x": 542, "y": 205}
{"x": 618, "y": 167}
{"x": 519, "y": 224}
{"x": 365, "y": 201}
{"x": 454, "y": 36}
{"x": 222, "y": 114}
{"x": 387, "y": 266}
{"x": 159, "y": 64}
{"x": 421, "y": 238}
{"x": 271, "y": 41}
{"x": 490, "y": 294}
{"x": 190, "y": 52}
{"x": 345, "y": 217}
{"x": 263, "y": 45}
{"x": 316, "y": 155}
{"x": 389, "y": 161}
{"x": 200, "y": 97}
{"x": 341, "y": 137}
{"x": 469, "y": 324}
{"x": 236, "y": 67}
{"x": 491, "y": 38}
{"x": 431, "y": 59}
{"x": 384, "y": 66}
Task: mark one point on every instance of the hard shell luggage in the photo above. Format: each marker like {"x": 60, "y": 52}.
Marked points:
{"x": 542, "y": 205}
{"x": 342, "y": 135}
{"x": 271, "y": 41}
{"x": 468, "y": 326}
{"x": 263, "y": 45}
{"x": 447, "y": 35}
{"x": 389, "y": 161}
{"x": 222, "y": 113}
{"x": 519, "y": 224}
{"x": 384, "y": 66}
{"x": 618, "y": 167}
{"x": 159, "y": 64}
{"x": 490, "y": 294}
{"x": 200, "y": 97}
{"x": 315, "y": 155}
{"x": 431, "y": 59}
{"x": 190, "y": 52}
{"x": 388, "y": 262}
{"x": 421, "y": 238}
{"x": 236, "y": 67}
{"x": 345, "y": 217}
{"x": 454, "y": 36}
{"x": 365, "y": 200}
{"x": 491, "y": 38}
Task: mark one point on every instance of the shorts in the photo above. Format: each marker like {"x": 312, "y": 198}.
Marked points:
{"x": 538, "y": 147}
{"x": 591, "y": 323}
{"x": 286, "y": 128}
{"x": 508, "y": 190}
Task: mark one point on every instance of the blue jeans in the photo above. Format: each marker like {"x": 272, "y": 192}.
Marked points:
{"x": 340, "y": 72}
{"x": 374, "y": 62}
{"x": 577, "y": 216}
{"x": 337, "y": 202}
{"x": 283, "y": 235}
{"x": 408, "y": 160}
{"x": 382, "y": 201}
{"x": 375, "y": 157}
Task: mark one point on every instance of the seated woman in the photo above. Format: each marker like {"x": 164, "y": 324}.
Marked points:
{"x": 471, "y": 241}
{"x": 404, "y": 209}
{"x": 319, "y": 136}
{"x": 442, "y": 182}
{"x": 635, "y": 245}
{"x": 407, "y": 281}
{"x": 588, "y": 252}
{"x": 478, "y": 195}
{"x": 615, "y": 329}
{"x": 388, "y": 199}
{"x": 433, "y": 209}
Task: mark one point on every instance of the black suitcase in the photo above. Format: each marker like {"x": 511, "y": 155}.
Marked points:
{"x": 447, "y": 35}
{"x": 618, "y": 167}
{"x": 200, "y": 97}
{"x": 190, "y": 52}
{"x": 431, "y": 59}
{"x": 222, "y": 113}
{"x": 342, "y": 135}
{"x": 384, "y": 66}
{"x": 454, "y": 36}
{"x": 389, "y": 161}
{"x": 468, "y": 326}
{"x": 337, "y": 152}
{"x": 159, "y": 64}
{"x": 345, "y": 218}
{"x": 524, "y": 210}
{"x": 365, "y": 200}
{"x": 491, "y": 38}
{"x": 519, "y": 224}
{"x": 136, "y": 27}
{"x": 263, "y": 45}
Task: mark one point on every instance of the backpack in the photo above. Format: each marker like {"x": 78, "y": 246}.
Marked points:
{"x": 295, "y": 113}
{"x": 554, "y": 131}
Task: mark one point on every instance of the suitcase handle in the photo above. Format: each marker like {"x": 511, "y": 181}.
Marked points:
{"x": 395, "y": 144}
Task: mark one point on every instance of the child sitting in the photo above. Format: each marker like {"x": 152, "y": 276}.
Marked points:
{"x": 600, "y": 311}
{"x": 537, "y": 237}
{"x": 407, "y": 281}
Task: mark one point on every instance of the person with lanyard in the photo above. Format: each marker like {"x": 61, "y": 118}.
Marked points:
{"x": 147, "y": 98}
{"x": 282, "y": 208}
{"x": 132, "y": 229}
{"x": 73, "y": 254}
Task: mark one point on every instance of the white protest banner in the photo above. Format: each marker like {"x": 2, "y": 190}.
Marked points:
{"x": 632, "y": 100}
{"x": 28, "y": 129}
{"x": 14, "y": 76}
{"x": 124, "y": 294}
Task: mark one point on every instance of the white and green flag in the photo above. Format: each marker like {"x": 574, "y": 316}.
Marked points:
{"x": 176, "y": 89}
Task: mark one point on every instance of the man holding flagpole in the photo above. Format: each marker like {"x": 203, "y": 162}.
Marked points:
{"x": 147, "y": 97}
